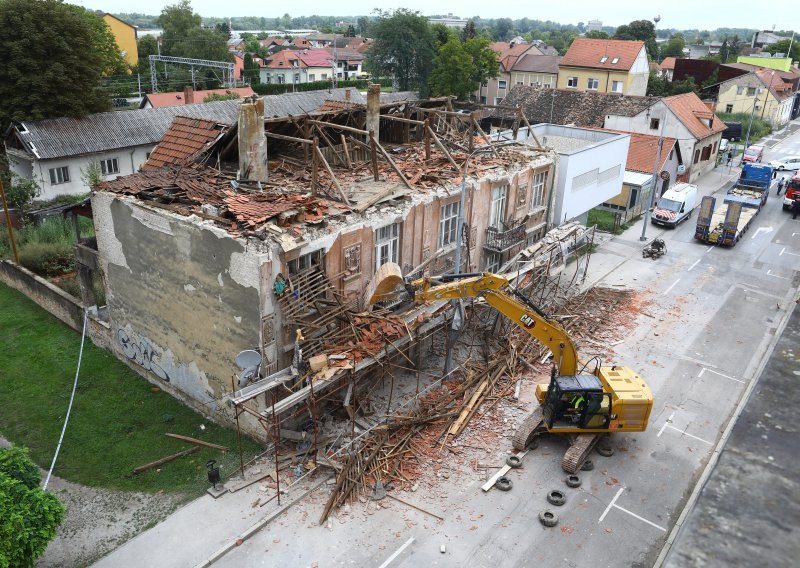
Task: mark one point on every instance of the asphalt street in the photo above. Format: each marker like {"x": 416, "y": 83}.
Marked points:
{"x": 711, "y": 322}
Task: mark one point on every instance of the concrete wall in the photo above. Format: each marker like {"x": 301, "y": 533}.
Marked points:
{"x": 49, "y": 296}
{"x": 183, "y": 299}
{"x": 129, "y": 160}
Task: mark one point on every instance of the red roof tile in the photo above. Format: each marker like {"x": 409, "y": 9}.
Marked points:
{"x": 182, "y": 141}
{"x": 668, "y": 63}
{"x": 618, "y": 54}
{"x": 694, "y": 114}
{"x": 285, "y": 59}
{"x": 642, "y": 152}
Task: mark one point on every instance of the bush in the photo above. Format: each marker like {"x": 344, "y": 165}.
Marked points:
{"x": 47, "y": 259}
{"x": 758, "y": 130}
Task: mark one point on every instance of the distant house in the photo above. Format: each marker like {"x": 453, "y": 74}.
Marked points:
{"x": 666, "y": 69}
{"x": 683, "y": 117}
{"x": 125, "y": 36}
{"x": 540, "y": 71}
{"x": 494, "y": 90}
{"x": 189, "y": 96}
{"x": 605, "y": 66}
{"x": 763, "y": 93}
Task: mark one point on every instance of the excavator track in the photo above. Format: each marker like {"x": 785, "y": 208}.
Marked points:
{"x": 530, "y": 428}
{"x": 578, "y": 451}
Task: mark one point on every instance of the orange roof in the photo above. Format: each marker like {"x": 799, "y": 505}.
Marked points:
{"x": 642, "y": 152}
{"x": 775, "y": 83}
{"x": 602, "y": 53}
{"x": 694, "y": 114}
{"x": 668, "y": 63}
{"x": 184, "y": 138}
{"x": 158, "y": 100}
{"x": 285, "y": 59}
{"x": 507, "y": 54}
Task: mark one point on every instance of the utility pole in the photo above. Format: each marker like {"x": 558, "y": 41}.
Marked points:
{"x": 8, "y": 223}
{"x": 749, "y": 126}
{"x": 655, "y": 179}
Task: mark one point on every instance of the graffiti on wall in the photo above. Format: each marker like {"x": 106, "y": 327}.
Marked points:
{"x": 142, "y": 354}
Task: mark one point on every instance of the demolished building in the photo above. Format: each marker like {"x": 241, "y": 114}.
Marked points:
{"x": 234, "y": 237}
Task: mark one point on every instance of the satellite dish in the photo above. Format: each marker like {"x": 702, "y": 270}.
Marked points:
{"x": 247, "y": 375}
{"x": 248, "y": 358}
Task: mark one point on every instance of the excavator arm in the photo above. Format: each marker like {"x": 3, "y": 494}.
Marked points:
{"x": 498, "y": 294}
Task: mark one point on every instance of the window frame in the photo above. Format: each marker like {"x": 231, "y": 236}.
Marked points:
{"x": 448, "y": 224}
{"x": 497, "y": 206}
{"x": 537, "y": 189}
{"x": 592, "y": 84}
{"x": 59, "y": 175}
{"x": 387, "y": 236}
{"x": 621, "y": 86}
{"x": 502, "y": 84}
{"x": 105, "y": 170}
{"x": 655, "y": 123}
{"x": 572, "y": 82}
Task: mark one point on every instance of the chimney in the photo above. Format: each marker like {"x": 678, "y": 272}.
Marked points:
{"x": 188, "y": 96}
{"x": 252, "y": 140}
{"x": 374, "y": 109}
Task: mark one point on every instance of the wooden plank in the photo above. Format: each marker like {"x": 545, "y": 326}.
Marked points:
{"x": 198, "y": 442}
{"x": 333, "y": 176}
{"x": 288, "y": 138}
{"x": 162, "y": 461}
{"x": 339, "y": 127}
{"x": 467, "y": 408}
{"x": 443, "y": 149}
{"x": 500, "y": 473}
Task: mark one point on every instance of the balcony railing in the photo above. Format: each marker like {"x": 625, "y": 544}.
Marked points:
{"x": 501, "y": 240}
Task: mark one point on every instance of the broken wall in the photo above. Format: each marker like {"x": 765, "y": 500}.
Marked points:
{"x": 183, "y": 299}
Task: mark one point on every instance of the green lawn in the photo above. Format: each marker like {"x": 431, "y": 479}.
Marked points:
{"x": 117, "y": 422}
{"x": 604, "y": 221}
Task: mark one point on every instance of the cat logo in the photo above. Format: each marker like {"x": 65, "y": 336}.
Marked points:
{"x": 527, "y": 320}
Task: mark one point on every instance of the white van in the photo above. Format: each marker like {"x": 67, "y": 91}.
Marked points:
{"x": 675, "y": 205}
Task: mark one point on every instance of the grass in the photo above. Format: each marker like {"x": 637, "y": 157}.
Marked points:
{"x": 117, "y": 423}
{"x": 605, "y": 221}
{"x": 758, "y": 130}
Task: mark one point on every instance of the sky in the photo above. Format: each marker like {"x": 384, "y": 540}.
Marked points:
{"x": 678, "y": 14}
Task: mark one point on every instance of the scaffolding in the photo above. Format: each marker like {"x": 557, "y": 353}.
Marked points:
{"x": 228, "y": 74}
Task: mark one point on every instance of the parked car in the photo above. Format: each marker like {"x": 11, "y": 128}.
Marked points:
{"x": 787, "y": 163}
{"x": 723, "y": 145}
{"x": 753, "y": 154}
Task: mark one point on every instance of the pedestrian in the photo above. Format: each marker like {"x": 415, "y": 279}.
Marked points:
{"x": 795, "y": 208}
{"x": 780, "y": 186}
{"x": 730, "y": 155}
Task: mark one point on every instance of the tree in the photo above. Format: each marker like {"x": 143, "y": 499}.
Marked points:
{"x": 176, "y": 21}
{"x": 484, "y": 61}
{"x": 350, "y": 32}
{"x": 642, "y": 30}
{"x": 53, "y": 60}
{"x": 468, "y": 31}
{"x": 30, "y": 516}
{"x": 597, "y": 34}
{"x": 20, "y": 191}
{"x": 214, "y": 97}
{"x": 503, "y": 28}
{"x": 148, "y": 46}
{"x": 443, "y": 34}
{"x": 362, "y": 24}
{"x": 673, "y": 47}
{"x": 252, "y": 73}
{"x": 451, "y": 71}
{"x": 782, "y": 46}
{"x": 404, "y": 48}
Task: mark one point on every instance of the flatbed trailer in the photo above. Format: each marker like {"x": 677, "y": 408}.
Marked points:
{"x": 726, "y": 225}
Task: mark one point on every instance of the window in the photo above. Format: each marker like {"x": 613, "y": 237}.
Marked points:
{"x": 696, "y": 156}
{"x": 497, "y": 211}
{"x": 751, "y": 91}
{"x": 615, "y": 60}
{"x": 501, "y": 84}
{"x": 537, "y": 194}
{"x": 498, "y": 100}
{"x": 604, "y": 59}
{"x": 654, "y": 123}
{"x": 448, "y": 224}
{"x": 729, "y": 108}
{"x": 706, "y": 153}
{"x": 59, "y": 175}
{"x": 492, "y": 262}
{"x": 739, "y": 89}
{"x": 387, "y": 245}
{"x": 485, "y": 84}
{"x": 592, "y": 84}
{"x": 297, "y": 77}
{"x": 572, "y": 82}
{"x": 520, "y": 82}
{"x": 616, "y": 86}
{"x": 483, "y": 100}
{"x": 305, "y": 261}
{"x": 269, "y": 78}
{"x": 714, "y": 150}
{"x": 312, "y": 77}
{"x": 324, "y": 76}
{"x": 281, "y": 79}
{"x": 109, "y": 166}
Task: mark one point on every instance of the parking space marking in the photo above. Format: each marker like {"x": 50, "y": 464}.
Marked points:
{"x": 396, "y": 553}
{"x": 709, "y": 249}
{"x": 783, "y": 251}
{"x": 614, "y": 505}
{"x": 696, "y": 262}
{"x": 671, "y": 416}
{"x": 704, "y": 369}
{"x": 668, "y": 290}
{"x": 769, "y": 273}
{"x": 685, "y": 433}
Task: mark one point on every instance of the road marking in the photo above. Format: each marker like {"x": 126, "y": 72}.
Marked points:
{"x": 783, "y": 251}
{"x": 692, "y": 266}
{"x": 709, "y": 249}
{"x": 640, "y": 518}
{"x": 668, "y": 290}
{"x": 614, "y": 500}
{"x": 396, "y": 553}
{"x": 685, "y": 433}
{"x": 671, "y": 416}
{"x": 769, "y": 273}
{"x": 760, "y": 230}
{"x": 704, "y": 369}
{"x": 793, "y": 234}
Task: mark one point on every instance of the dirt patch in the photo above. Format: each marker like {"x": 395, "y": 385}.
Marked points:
{"x": 97, "y": 521}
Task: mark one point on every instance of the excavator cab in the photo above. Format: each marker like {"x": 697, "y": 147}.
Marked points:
{"x": 576, "y": 403}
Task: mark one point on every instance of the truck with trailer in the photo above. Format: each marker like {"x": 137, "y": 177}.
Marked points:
{"x": 675, "y": 205}
{"x": 726, "y": 224}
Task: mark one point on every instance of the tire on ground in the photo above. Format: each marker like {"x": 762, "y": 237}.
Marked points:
{"x": 548, "y": 518}
{"x": 556, "y": 497}
{"x": 573, "y": 481}
{"x": 504, "y": 484}
{"x": 587, "y": 466}
{"x": 605, "y": 451}
{"x": 513, "y": 461}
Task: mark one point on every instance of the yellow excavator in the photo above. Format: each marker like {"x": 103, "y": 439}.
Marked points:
{"x": 582, "y": 403}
